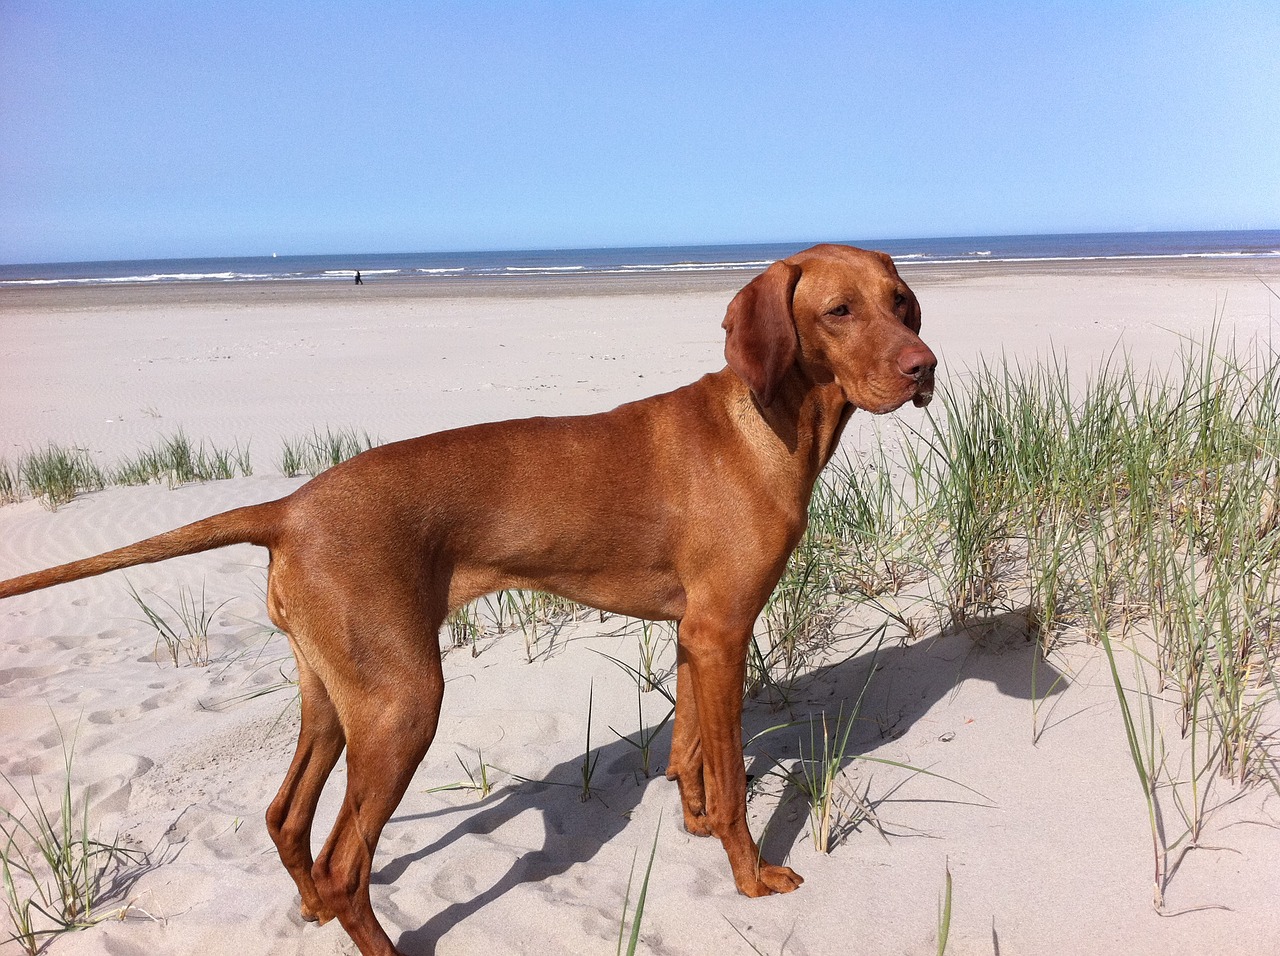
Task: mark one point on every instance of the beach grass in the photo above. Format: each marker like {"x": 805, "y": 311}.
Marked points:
{"x": 478, "y": 780}
{"x": 647, "y": 733}
{"x": 56, "y": 474}
{"x": 10, "y": 482}
{"x": 655, "y": 637}
{"x": 944, "y": 913}
{"x": 465, "y": 627}
{"x": 317, "y": 452}
{"x": 587, "y": 769}
{"x": 187, "y": 636}
{"x": 56, "y": 872}
{"x": 637, "y": 917}
{"x": 1123, "y": 507}
{"x": 1120, "y": 503}
{"x": 177, "y": 460}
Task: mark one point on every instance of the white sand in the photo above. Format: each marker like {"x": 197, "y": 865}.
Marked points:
{"x": 1057, "y": 861}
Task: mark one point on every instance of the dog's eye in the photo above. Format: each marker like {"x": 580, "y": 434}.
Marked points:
{"x": 899, "y": 300}
{"x": 839, "y": 310}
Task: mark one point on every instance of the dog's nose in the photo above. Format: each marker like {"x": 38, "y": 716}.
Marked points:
{"x": 916, "y": 362}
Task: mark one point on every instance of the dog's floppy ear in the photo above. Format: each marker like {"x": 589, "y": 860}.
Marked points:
{"x": 760, "y": 330}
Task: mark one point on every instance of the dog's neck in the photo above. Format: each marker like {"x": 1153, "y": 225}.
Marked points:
{"x": 802, "y": 424}
{"x": 810, "y": 417}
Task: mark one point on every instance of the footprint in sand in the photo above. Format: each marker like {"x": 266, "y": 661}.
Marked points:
{"x": 118, "y": 715}
{"x": 33, "y": 766}
{"x": 10, "y": 674}
{"x": 461, "y": 879}
{"x": 51, "y": 738}
{"x": 111, "y": 794}
{"x": 167, "y": 695}
{"x": 103, "y": 641}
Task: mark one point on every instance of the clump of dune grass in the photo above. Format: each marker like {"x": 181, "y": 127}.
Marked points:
{"x": 816, "y": 776}
{"x": 797, "y": 622}
{"x": 478, "y": 780}
{"x": 537, "y": 615}
{"x": 654, "y": 637}
{"x": 56, "y": 474}
{"x": 186, "y": 637}
{"x": 1128, "y": 503}
{"x": 177, "y": 460}
{"x": 314, "y": 453}
{"x": 859, "y": 513}
{"x": 56, "y": 873}
{"x": 1126, "y": 507}
{"x": 647, "y": 733}
{"x": 465, "y": 627}
{"x": 10, "y": 482}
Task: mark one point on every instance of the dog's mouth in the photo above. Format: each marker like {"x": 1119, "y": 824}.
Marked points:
{"x": 916, "y": 389}
{"x": 924, "y": 390}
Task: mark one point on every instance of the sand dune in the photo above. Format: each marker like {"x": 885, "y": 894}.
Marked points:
{"x": 1048, "y": 847}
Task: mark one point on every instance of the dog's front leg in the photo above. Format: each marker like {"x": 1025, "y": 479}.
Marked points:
{"x": 716, "y": 655}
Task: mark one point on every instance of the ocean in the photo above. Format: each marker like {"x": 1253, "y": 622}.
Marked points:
{"x": 638, "y": 261}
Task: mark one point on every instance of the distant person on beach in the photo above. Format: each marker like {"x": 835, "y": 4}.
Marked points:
{"x": 359, "y": 281}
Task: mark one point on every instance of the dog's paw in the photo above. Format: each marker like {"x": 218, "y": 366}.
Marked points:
{"x": 772, "y": 879}
{"x": 696, "y": 824}
{"x": 319, "y": 914}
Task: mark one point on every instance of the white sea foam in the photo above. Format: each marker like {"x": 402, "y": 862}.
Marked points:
{"x": 1134, "y": 258}
{"x": 638, "y": 268}
{"x": 544, "y": 268}
{"x": 152, "y": 277}
{"x": 690, "y": 266}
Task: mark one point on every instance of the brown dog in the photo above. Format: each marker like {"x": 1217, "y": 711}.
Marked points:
{"x": 679, "y": 507}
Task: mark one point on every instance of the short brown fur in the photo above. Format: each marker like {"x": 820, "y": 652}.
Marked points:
{"x": 683, "y": 507}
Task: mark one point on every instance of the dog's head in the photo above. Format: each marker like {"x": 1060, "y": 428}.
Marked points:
{"x": 837, "y": 314}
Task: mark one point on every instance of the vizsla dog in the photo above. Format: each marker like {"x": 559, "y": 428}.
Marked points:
{"x": 680, "y": 507}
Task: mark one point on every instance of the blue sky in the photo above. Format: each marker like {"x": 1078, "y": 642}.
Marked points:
{"x": 136, "y": 129}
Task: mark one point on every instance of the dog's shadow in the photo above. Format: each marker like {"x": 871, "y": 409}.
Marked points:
{"x": 908, "y": 680}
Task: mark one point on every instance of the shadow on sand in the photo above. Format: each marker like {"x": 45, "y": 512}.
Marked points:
{"x": 909, "y": 680}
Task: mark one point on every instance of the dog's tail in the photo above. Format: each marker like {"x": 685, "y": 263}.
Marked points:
{"x": 254, "y": 524}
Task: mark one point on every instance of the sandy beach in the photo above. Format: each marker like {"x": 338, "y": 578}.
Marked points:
{"x": 1044, "y": 830}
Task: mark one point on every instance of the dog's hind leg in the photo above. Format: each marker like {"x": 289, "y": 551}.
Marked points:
{"x": 685, "y": 765}
{"x": 289, "y": 818}
{"x": 389, "y": 712}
